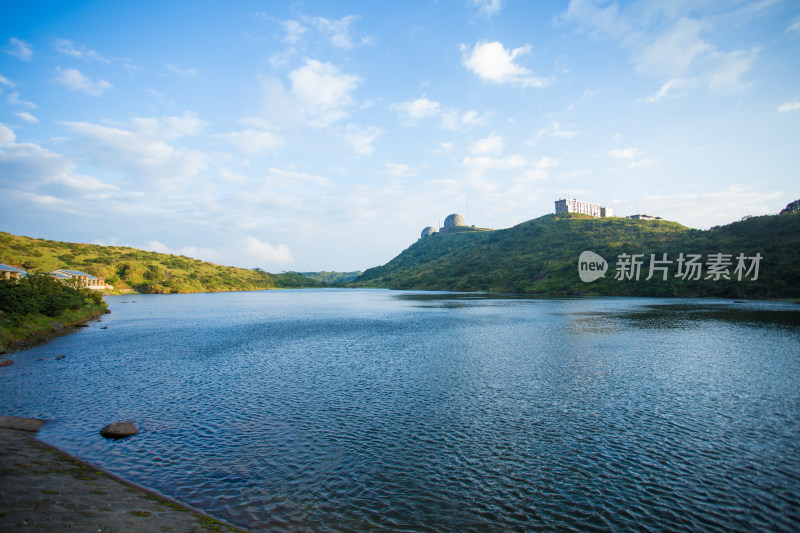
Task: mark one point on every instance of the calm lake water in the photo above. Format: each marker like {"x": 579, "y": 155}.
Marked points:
{"x": 352, "y": 410}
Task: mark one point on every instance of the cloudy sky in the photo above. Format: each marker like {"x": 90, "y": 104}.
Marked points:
{"x": 314, "y": 135}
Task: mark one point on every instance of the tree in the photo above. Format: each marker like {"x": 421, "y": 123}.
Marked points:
{"x": 793, "y": 207}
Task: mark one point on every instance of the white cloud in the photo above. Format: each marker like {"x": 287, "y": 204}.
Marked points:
{"x": 323, "y": 92}
{"x": 6, "y": 81}
{"x": 398, "y": 169}
{"x": 27, "y": 117}
{"x": 338, "y": 32}
{"x": 455, "y": 120}
{"x": 78, "y": 51}
{"x": 472, "y": 118}
{"x": 478, "y": 166}
{"x": 85, "y": 183}
{"x": 729, "y": 68}
{"x": 159, "y": 247}
{"x": 667, "y": 44}
{"x": 598, "y": 21}
{"x": 14, "y": 99}
{"x": 642, "y": 162}
{"x": 493, "y": 63}
{"x": 204, "y": 254}
{"x": 623, "y": 153}
{"x": 789, "y": 106}
{"x": 488, "y": 8}
{"x": 669, "y": 88}
{"x": 6, "y": 135}
{"x": 33, "y": 168}
{"x": 360, "y": 138}
{"x": 629, "y": 154}
{"x": 555, "y": 130}
{"x": 538, "y": 171}
{"x": 257, "y": 252}
{"x": 253, "y": 141}
{"x": 74, "y": 80}
{"x": 294, "y": 31}
{"x": 19, "y": 49}
{"x": 335, "y": 32}
{"x": 31, "y": 165}
{"x": 673, "y": 53}
{"x": 415, "y": 110}
{"x": 141, "y": 148}
{"x": 247, "y": 252}
{"x": 185, "y": 72}
{"x": 493, "y": 144}
{"x": 444, "y": 148}
{"x": 706, "y": 209}
{"x": 794, "y": 26}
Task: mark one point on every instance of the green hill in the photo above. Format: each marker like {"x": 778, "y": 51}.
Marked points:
{"x": 148, "y": 272}
{"x": 332, "y": 278}
{"x": 541, "y": 257}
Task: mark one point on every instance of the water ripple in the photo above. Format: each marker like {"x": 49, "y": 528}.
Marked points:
{"x": 371, "y": 410}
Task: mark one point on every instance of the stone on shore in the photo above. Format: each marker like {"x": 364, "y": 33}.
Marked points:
{"x": 119, "y": 430}
{"x": 23, "y": 424}
{"x": 43, "y": 489}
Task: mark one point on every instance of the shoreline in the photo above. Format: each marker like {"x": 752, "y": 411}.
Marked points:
{"x": 46, "y": 488}
{"x": 40, "y": 328}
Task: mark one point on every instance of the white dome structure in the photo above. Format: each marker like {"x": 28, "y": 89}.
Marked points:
{"x": 453, "y": 221}
{"x": 430, "y": 230}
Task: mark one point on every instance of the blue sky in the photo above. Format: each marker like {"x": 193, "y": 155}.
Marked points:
{"x": 326, "y": 135}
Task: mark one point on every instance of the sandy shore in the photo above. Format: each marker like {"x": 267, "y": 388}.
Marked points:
{"x": 45, "y": 489}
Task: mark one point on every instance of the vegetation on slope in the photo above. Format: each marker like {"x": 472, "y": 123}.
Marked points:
{"x": 541, "y": 257}
{"x": 139, "y": 270}
{"x": 39, "y": 305}
{"x": 332, "y": 277}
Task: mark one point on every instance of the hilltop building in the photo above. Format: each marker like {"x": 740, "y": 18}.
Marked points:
{"x": 586, "y": 208}
{"x": 452, "y": 222}
{"x": 430, "y": 230}
{"x": 9, "y": 272}
{"x": 643, "y": 217}
{"x": 86, "y": 280}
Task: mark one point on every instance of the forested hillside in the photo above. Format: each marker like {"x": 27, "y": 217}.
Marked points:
{"x": 541, "y": 257}
{"x": 139, "y": 270}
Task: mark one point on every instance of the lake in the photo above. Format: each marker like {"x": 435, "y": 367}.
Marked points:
{"x": 352, "y": 410}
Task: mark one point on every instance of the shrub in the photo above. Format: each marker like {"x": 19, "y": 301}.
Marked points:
{"x": 42, "y": 294}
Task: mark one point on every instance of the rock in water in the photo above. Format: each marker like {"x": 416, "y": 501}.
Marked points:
{"x": 119, "y": 430}
{"x": 7, "y": 362}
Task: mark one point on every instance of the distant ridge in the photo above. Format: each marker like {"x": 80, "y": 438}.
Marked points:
{"x": 139, "y": 270}
{"x": 540, "y": 256}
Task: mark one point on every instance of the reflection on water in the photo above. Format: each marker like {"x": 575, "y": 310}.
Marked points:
{"x": 678, "y": 315}
{"x": 364, "y": 409}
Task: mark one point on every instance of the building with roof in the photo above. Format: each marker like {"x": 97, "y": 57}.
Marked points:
{"x": 86, "y": 280}
{"x": 586, "y": 208}
{"x": 643, "y": 217}
{"x": 10, "y": 272}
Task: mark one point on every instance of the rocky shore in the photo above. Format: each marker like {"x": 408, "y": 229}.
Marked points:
{"x": 38, "y": 329}
{"x": 45, "y": 489}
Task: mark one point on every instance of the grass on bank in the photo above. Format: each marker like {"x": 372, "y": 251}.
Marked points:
{"x": 38, "y": 306}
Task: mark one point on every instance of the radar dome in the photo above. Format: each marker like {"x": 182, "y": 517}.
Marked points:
{"x": 454, "y": 220}
{"x": 430, "y": 230}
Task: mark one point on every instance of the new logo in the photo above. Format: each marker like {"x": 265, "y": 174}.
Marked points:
{"x": 591, "y": 266}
